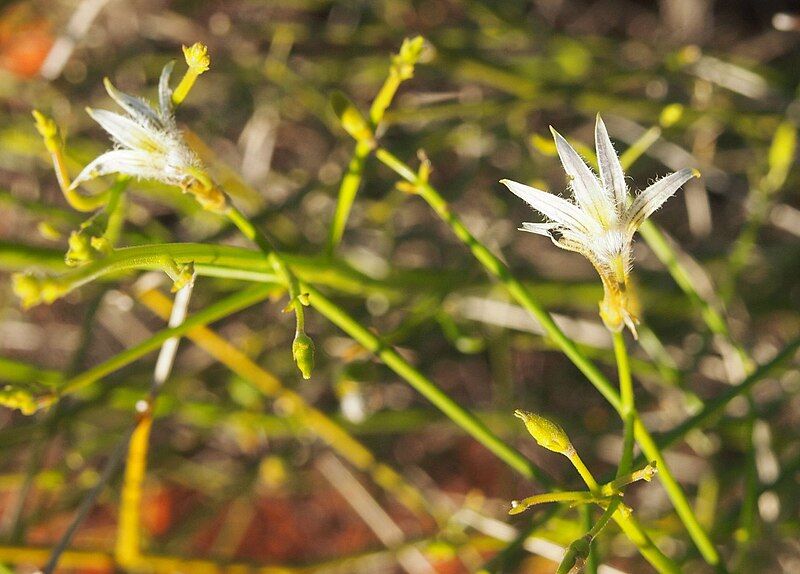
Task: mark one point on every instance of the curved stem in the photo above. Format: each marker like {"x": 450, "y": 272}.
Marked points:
{"x": 517, "y": 290}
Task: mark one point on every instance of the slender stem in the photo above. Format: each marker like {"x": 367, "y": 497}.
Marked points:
{"x": 128, "y": 550}
{"x": 717, "y": 405}
{"x": 87, "y": 503}
{"x": 628, "y": 406}
{"x": 470, "y": 423}
{"x": 576, "y": 496}
{"x": 526, "y": 299}
{"x": 348, "y": 189}
{"x": 629, "y": 526}
{"x": 240, "y": 300}
{"x": 584, "y": 471}
{"x": 281, "y": 268}
{"x": 128, "y": 543}
{"x": 55, "y": 146}
{"x": 423, "y": 385}
{"x": 309, "y": 417}
{"x": 593, "y": 558}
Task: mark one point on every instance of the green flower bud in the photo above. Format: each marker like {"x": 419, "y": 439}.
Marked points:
{"x": 575, "y": 557}
{"x": 403, "y": 63}
{"x": 303, "y": 354}
{"x": 546, "y": 433}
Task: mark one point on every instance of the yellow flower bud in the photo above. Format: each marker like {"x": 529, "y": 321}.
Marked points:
{"x": 303, "y": 354}
{"x": 670, "y": 115}
{"x": 352, "y": 120}
{"x": 33, "y": 290}
{"x": 403, "y": 63}
{"x": 197, "y": 57}
{"x": 21, "y": 399}
{"x": 27, "y": 288}
{"x": 48, "y": 129}
{"x": 548, "y": 434}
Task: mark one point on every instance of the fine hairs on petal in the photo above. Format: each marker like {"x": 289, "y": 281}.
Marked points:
{"x": 149, "y": 144}
{"x": 599, "y": 225}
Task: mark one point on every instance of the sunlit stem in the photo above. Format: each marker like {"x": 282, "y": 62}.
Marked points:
{"x": 302, "y": 346}
{"x": 498, "y": 269}
{"x": 281, "y": 268}
{"x": 576, "y": 497}
{"x": 628, "y": 412}
{"x": 640, "y": 146}
{"x": 128, "y": 543}
{"x": 583, "y": 470}
{"x": 647, "y": 473}
{"x": 55, "y": 146}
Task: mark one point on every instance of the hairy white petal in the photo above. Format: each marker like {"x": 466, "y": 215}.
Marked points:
{"x": 587, "y": 189}
{"x": 125, "y": 161}
{"x": 556, "y": 208}
{"x": 654, "y": 197}
{"x": 611, "y": 174}
{"x": 538, "y": 228}
{"x": 127, "y": 132}
{"x": 138, "y": 109}
{"x": 165, "y": 92}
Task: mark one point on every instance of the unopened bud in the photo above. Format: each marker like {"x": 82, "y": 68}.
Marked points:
{"x": 410, "y": 51}
{"x": 670, "y": 115}
{"x": 351, "y": 118}
{"x": 548, "y": 434}
{"x": 20, "y": 399}
{"x": 33, "y": 290}
{"x": 197, "y": 57}
{"x": 303, "y": 354}
{"x": 575, "y": 557}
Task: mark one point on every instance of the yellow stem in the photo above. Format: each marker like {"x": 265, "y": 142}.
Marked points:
{"x": 128, "y": 546}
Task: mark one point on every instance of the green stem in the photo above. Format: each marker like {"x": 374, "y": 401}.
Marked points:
{"x": 629, "y": 526}
{"x": 526, "y": 299}
{"x": 715, "y": 406}
{"x": 575, "y": 496}
{"x": 584, "y": 471}
{"x": 423, "y": 385}
{"x": 347, "y": 193}
{"x": 469, "y": 422}
{"x": 241, "y": 300}
{"x": 628, "y": 405}
{"x": 275, "y": 259}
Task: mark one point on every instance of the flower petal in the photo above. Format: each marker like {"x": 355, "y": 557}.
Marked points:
{"x": 587, "y": 189}
{"x": 124, "y": 161}
{"x": 654, "y": 197}
{"x": 539, "y": 228}
{"x": 139, "y": 109}
{"x": 611, "y": 174}
{"x": 126, "y": 131}
{"x": 165, "y": 92}
{"x": 555, "y": 208}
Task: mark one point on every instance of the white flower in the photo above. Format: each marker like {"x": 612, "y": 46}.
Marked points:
{"x": 149, "y": 145}
{"x": 601, "y": 221}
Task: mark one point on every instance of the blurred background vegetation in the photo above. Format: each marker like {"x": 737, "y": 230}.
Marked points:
{"x": 234, "y": 475}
